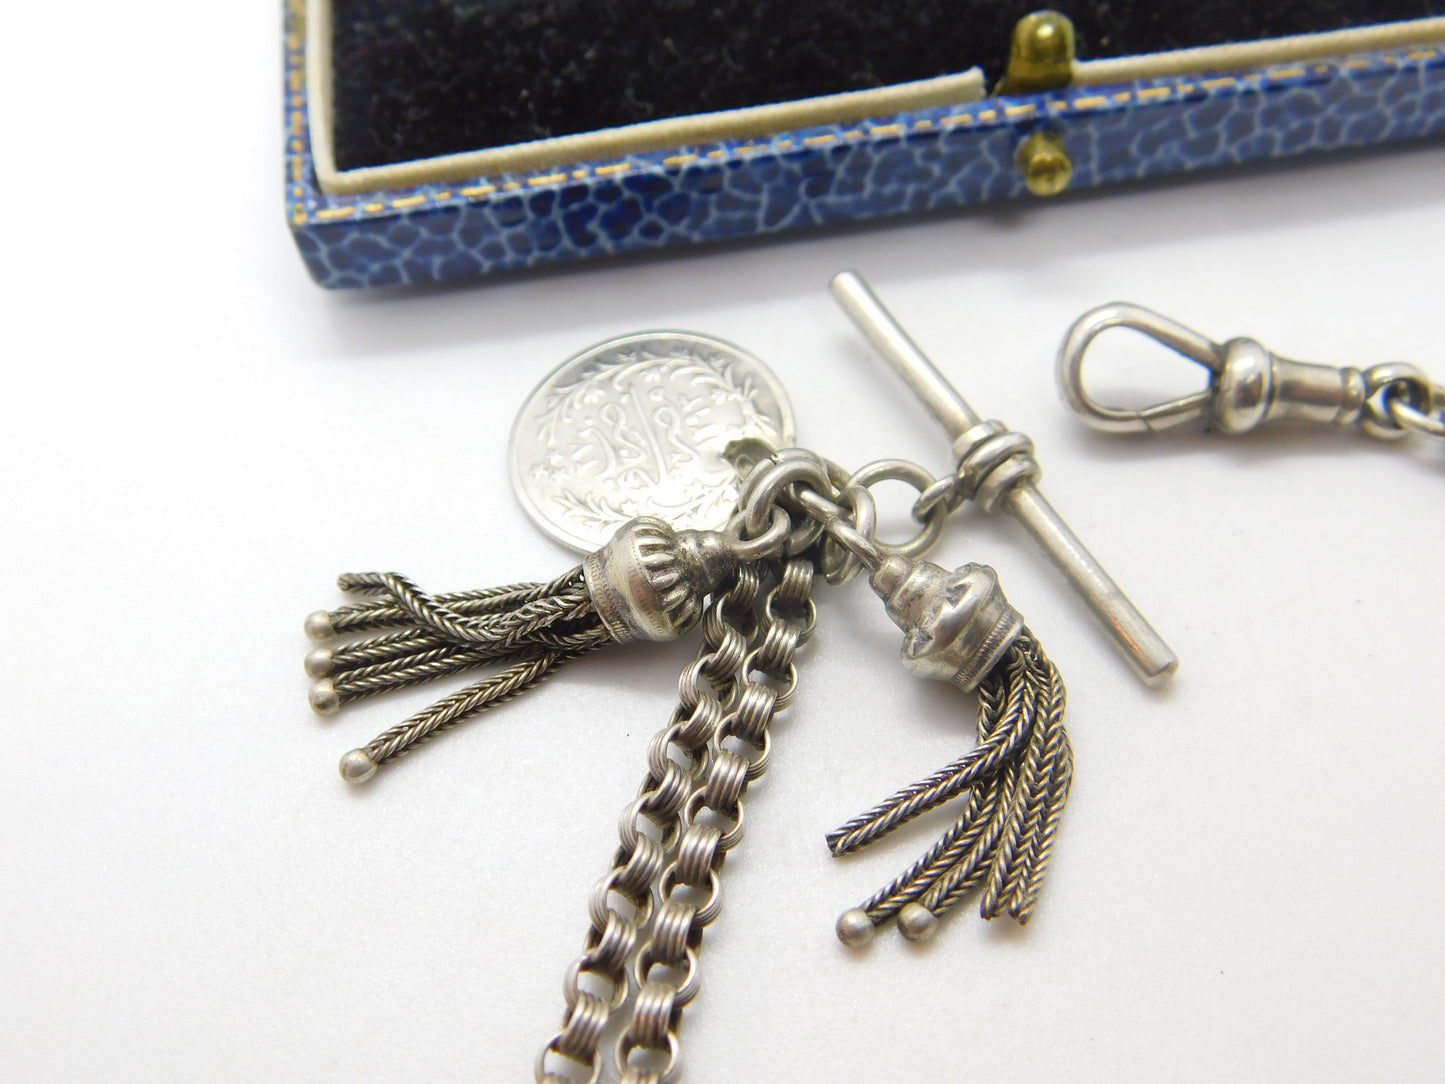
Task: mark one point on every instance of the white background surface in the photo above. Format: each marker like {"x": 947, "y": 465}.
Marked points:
{"x": 196, "y": 440}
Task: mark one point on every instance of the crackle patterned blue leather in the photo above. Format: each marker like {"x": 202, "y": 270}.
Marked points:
{"x": 911, "y": 162}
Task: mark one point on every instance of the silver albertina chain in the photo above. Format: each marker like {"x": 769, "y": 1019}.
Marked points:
{"x": 688, "y": 810}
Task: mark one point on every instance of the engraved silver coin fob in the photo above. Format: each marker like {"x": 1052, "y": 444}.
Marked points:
{"x": 654, "y": 431}
{"x": 640, "y": 426}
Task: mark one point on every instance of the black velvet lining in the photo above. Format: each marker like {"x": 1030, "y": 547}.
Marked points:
{"x": 417, "y": 78}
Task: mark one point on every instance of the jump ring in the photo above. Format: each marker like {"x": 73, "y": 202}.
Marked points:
{"x": 900, "y": 470}
{"x": 1407, "y": 416}
{"x": 1397, "y": 382}
{"x": 784, "y": 471}
{"x": 767, "y": 544}
{"x": 844, "y": 554}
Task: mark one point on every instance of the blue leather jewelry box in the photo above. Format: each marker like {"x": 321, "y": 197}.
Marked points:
{"x": 390, "y": 214}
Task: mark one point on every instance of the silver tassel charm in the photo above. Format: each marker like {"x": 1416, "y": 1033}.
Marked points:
{"x": 959, "y": 628}
{"x": 647, "y": 583}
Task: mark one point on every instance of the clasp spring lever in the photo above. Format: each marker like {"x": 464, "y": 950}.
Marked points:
{"x": 1248, "y": 385}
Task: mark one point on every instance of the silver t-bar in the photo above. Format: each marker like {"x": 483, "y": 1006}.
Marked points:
{"x": 1146, "y": 652}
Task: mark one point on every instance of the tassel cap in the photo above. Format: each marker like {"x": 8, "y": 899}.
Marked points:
{"x": 649, "y": 581}
{"x": 956, "y": 625}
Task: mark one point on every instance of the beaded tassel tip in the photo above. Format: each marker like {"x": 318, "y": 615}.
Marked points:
{"x": 526, "y": 630}
{"x": 959, "y": 628}
{"x": 648, "y": 583}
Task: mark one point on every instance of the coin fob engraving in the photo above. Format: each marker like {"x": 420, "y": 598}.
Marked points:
{"x": 636, "y": 427}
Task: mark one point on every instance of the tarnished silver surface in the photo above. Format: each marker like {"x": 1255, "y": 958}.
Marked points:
{"x": 1017, "y": 779}
{"x": 637, "y": 427}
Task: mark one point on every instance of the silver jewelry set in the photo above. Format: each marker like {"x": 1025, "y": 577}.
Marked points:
{"x": 668, "y": 459}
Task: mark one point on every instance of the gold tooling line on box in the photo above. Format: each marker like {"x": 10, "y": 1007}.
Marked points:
{"x": 327, "y": 211}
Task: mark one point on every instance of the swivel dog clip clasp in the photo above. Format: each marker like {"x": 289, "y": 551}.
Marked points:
{"x": 1248, "y": 385}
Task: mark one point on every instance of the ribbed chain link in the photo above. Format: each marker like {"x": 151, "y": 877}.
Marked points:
{"x": 622, "y": 903}
{"x": 666, "y": 965}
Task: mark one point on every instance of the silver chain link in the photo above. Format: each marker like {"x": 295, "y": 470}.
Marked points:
{"x": 1402, "y": 403}
{"x": 666, "y": 966}
{"x": 649, "y": 913}
{"x": 699, "y": 766}
{"x": 622, "y": 904}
